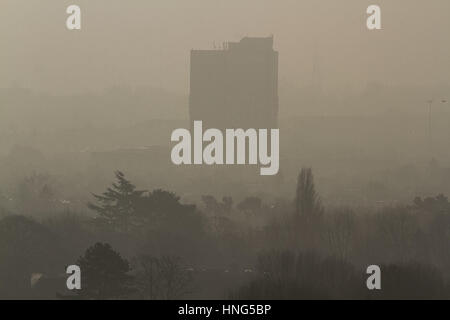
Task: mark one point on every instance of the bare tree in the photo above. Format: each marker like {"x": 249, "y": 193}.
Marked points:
{"x": 147, "y": 277}
{"x": 175, "y": 279}
{"x": 341, "y": 232}
{"x": 162, "y": 278}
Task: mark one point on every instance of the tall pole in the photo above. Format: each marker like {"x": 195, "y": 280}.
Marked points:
{"x": 430, "y": 139}
{"x": 430, "y": 129}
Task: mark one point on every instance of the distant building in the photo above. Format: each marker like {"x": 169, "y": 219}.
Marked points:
{"x": 235, "y": 86}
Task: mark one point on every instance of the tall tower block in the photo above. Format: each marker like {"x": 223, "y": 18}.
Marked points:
{"x": 235, "y": 86}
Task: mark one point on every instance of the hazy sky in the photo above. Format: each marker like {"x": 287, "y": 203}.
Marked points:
{"x": 147, "y": 42}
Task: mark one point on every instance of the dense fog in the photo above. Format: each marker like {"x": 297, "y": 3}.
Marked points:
{"x": 85, "y": 124}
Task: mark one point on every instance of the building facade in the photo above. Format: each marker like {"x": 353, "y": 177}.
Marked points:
{"x": 235, "y": 86}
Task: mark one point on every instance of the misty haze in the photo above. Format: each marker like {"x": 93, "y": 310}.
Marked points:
{"x": 86, "y": 118}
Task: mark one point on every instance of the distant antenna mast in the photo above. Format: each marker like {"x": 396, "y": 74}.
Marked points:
{"x": 316, "y": 77}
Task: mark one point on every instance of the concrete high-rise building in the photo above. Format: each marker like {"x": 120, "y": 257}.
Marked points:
{"x": 235, "y": 86}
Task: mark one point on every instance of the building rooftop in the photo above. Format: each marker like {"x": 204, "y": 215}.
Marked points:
{"x": 262, "y": 43}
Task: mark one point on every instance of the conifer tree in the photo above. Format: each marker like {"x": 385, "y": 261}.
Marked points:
{"x": 117, "y": 206}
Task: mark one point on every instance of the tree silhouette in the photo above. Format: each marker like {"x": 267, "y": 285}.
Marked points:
{"x": 250, "y": 205}
{"x": 307, "y": 201}
{"x": 162, "y": 278}
{"x": 161, "y": 202}
{"x": 118, "y": 204}
{"x": 35, "y": 194}
{"x": 341, "y": 232}
{"x": 213, "y": 206}
{"x": 23, "y": 244}
{"x": 438, "y": 204}
{"x": 104, "y": 273}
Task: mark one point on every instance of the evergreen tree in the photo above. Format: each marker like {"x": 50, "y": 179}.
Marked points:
{"x": 117, "y": 206}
